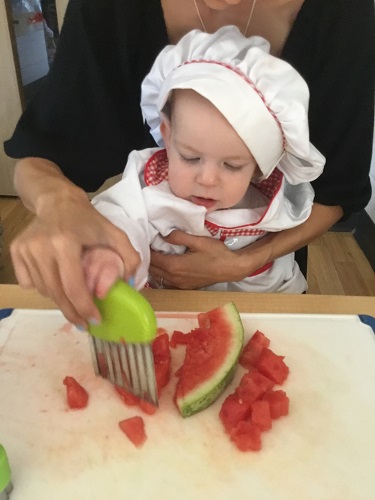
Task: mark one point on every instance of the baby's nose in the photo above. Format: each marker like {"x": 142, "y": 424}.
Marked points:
{"x": 208, "y": 174}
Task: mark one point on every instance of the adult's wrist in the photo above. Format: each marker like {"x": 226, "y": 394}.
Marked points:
{"x": 43, "y": 187}
{"x": 61, "y": 193}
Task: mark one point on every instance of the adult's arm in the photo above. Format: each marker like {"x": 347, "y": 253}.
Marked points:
{"x": 47, "y": 255}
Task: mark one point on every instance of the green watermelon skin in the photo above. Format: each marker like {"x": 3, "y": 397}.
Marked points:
{"x": 211, "y": 359}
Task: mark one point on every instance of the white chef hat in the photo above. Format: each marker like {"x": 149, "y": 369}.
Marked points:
{"x": 263, "y": 97}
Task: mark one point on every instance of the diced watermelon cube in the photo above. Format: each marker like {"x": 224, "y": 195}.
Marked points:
{"x": 233, "y": 410}
{"x": 179, "y": 338}
{"x": 134, "y": 428}
{"x": 127, "y": 397}
{"x": 103, "y": 365}
{"x": 160, "y": 347}
{"x": 253, "y": 348}
{"x": 246, "y": 436}
{"x": 259, "y": 338}
{"x": 259, "y": 379}
{"x": 278, "y": 401}
{"x": 132, "y": 400}
{"x": 147, "y": 407}
{"x": 248, "y": 391}
{"x": 160, "y": 331}
{"x": 162, "y": 374}
{"x": 272, "y": 366}
{"x": 77, "y": 395}
{"x": 162, "y": 360}
{"x": 261, "y": 415}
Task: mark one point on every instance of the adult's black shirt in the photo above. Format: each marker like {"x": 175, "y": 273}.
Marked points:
{"x": 86, "y": 116}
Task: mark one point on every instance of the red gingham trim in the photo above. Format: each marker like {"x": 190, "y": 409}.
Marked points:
{"x": 269, "y": 188}
{"x": 227, "y": 232}
{"x": 261, "y": 270}
{"x": 250, "y": 82}
{"x": 156, "y": 169}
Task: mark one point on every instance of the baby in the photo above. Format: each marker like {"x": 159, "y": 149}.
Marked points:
{"x": 234, "y": 161}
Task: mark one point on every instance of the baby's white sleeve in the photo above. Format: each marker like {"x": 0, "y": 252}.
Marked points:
{"x": 123, "y": 205}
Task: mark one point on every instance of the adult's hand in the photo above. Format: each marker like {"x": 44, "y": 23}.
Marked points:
{"x": 208, "y": 261}
{"x": 205, "y": 262}
{"x": 47, "y": 255}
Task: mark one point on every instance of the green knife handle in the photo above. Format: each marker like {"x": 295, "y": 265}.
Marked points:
{"x": 4, "y": 471}
{"x": 126, "y": 316}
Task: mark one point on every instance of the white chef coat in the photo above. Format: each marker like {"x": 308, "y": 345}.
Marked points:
{"x": 142, "y": 205}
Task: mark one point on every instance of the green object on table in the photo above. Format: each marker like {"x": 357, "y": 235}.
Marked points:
{"x": 4, "y": 469}
{"x": 126, "y": 316}
{"x": 121, "y": 345}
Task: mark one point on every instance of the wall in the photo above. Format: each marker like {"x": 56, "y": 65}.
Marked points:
{"x": 60, "y": 8}
{"x": 31, "y": 47}
{"x": 10, "y": 102}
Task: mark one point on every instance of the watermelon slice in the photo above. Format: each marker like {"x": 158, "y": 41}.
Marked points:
{"x": 210, "y": 360}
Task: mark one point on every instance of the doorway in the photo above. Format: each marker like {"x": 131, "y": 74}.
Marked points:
{"x": 35, "y": 34}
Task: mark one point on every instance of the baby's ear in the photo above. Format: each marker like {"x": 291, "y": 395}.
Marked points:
{"x": 165, "y": 130}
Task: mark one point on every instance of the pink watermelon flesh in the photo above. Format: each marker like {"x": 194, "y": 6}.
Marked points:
{"x": 210, "y": 359}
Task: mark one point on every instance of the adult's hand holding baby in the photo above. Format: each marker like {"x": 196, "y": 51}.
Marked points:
{"x": 206, "y": 261}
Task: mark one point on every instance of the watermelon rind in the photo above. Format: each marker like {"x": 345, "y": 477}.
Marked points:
{"x": 208, "y": 392}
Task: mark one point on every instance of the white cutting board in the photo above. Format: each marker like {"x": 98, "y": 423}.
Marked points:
{"x": 325, "y": 448}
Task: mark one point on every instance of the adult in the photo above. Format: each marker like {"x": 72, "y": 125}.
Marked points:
{"x": 86, "y": 118}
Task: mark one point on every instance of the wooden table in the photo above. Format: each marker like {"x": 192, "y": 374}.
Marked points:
{"x": 180, "y": 300}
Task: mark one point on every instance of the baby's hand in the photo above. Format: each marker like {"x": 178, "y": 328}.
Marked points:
{"x": 102, "y": 267}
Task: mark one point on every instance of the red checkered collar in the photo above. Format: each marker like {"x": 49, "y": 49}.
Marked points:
{"x": 156, "y": 169}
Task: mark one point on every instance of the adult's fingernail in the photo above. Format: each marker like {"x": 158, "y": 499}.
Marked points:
{"x": 80, "y": 328}
{"x": 94, "y": 321}
{"x": 131, "y": 281}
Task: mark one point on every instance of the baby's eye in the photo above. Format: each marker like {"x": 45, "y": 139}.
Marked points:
{"x": 189, "y": 159}
{"x": 233, "y": 168}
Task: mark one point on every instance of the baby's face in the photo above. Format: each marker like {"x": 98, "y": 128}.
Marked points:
{"x": 209, "y": 164}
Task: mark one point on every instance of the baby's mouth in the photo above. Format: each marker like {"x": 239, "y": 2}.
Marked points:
{"x": 203, "y": 202}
